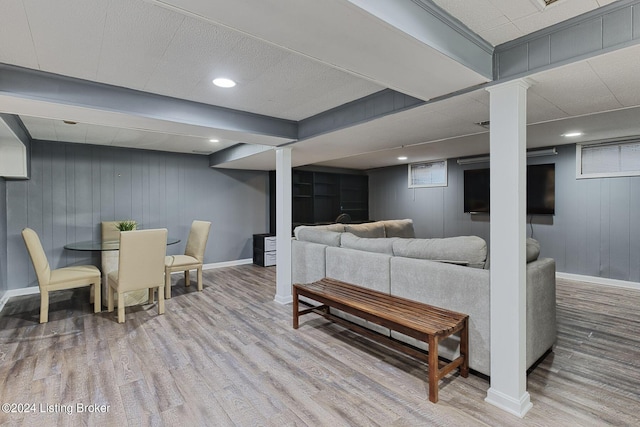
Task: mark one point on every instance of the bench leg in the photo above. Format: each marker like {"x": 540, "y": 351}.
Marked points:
{"x": 434, "y": 369}
{"x": 295, "y": 307}
{"x": 464, "y": 348}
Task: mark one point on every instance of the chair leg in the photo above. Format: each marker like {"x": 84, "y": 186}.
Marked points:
{"x": 97, "y": 295}
{"x": 187, "y": 279}
{"x": 110, "y": 292}
{"x": 160, "y": 300}
{"x": 167, "y": 283}
{"x": 120, "y": 307}
{"x": 200, "y": 278}
{"x": 152, "y": 296}
{"x": 44, "y": 306}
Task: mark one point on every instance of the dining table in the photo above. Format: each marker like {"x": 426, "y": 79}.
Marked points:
{"x": 110, "y": 253}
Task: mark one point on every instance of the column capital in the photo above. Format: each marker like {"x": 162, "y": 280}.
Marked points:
{"x": 524, "y": 83}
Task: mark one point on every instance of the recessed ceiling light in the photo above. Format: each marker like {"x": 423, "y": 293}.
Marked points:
{"x": 224, "y": 82}
{"x": 571, "y": 134}
{"x": 402, "y": 158}
{"x": 214, "y": 140}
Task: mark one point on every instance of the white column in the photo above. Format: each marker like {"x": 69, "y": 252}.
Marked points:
{"x": 508, "y": 116}
{"x": 283, "y": 226}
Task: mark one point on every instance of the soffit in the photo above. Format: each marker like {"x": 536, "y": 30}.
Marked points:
{"x": 499, "y": 21}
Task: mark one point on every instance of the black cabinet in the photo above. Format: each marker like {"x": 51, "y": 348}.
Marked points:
{"x": 319, "y": 197}
{"x": 264, "y": 249}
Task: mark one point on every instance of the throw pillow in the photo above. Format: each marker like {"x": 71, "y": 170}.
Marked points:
{"x": 399, "y": 228}
{"x": 330, "y": 227}
{"x": 533, "y": 249}
{"x": 384, "y": 246}
{"x": 470, "y": 250}
{"x": 323, "y": 237}
{"x": 368, "y": 229}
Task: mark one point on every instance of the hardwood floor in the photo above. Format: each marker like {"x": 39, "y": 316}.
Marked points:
{"x": 228, "y": 356}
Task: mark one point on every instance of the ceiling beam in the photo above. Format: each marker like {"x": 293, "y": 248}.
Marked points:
{"x": 27, "y": 84}
{"x": 608, "y": 28}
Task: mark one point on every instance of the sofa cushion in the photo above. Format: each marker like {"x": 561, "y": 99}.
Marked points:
{"x": 351, "y": 241}
{"x": 399, "y": 228}
{"x": 319, "y": 235}
{"x": 468, "y": 250}
{"x": 533, "y": 249}
{"x": 368, "y": 229}
{"x": 329, "y": 227}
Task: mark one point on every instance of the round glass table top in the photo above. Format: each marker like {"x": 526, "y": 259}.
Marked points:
{"x": 108, "y": 245}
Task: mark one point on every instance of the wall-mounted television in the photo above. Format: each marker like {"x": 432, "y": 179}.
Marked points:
{"x": 541, "y": 184}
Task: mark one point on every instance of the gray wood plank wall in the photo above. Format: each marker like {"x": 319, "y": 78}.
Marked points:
{"x": 595, "y": 231}
{"x": 74, "y": 187}
{"x": 3, "y": 237}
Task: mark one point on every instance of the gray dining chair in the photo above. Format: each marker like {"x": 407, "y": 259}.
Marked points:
{"x": 62, "y": 278}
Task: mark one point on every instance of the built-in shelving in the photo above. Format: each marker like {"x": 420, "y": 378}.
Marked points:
{"x": 319, "y": 197}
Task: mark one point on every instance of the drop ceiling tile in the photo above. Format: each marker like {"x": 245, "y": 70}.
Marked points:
{"x": 555, "y": 13}
{"x": 541, "y": 110}
{"x": 16, "y": 44}
{"x": 101, "y": 135}
{"x": 575, "y": 89}
{"x": 70, "y": 133}
{"x": 251, "y": 59}
{"x": 136, "y": 35}
{"x": 67, "y": 35}
{"x": 619, "y": 70}
{"x": 481, "y": 95}
{"x": 481, "y": 15}
{"x": 463, "y": 109}
{"x": 515, "y": 9}
{"x": 192, "y": 54}
{"x": 501, "y": 34}
{"x": 39, "y": 128}
{"x": 330, "y": 98}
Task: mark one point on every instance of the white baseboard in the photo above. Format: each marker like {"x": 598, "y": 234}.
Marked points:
{"x": 222, "y": 264}
{"x": 16, "y": 293}
{"x": 599, "y": 280}
{"x": 227, "y": 263}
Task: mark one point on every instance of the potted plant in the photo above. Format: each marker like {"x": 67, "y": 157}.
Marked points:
{"x": 126, "y": 225}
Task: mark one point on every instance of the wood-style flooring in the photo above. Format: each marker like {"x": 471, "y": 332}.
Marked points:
{"x": 228, "y": 356}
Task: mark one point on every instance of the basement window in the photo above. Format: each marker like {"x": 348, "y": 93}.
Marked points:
{"x": 428, "y": 174}
{"x": 613, "y": 159}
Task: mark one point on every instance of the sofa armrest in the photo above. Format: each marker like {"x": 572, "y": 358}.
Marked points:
{"x": 308, "y": 261}
{"x": 541, "y": 308}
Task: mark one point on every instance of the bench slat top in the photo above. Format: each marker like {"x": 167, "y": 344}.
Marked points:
{"x": 427, "y": 318}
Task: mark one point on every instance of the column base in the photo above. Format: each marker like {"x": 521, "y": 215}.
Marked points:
{"x": 517, "y": 407}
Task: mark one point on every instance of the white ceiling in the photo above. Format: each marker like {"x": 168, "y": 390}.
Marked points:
{"x": 296, "y": 58}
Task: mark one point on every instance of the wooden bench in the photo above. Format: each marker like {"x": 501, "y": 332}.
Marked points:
{"x": 420, "y": 321}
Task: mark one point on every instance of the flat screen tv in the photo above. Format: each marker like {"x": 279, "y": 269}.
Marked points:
{"x": 541, "y": 198}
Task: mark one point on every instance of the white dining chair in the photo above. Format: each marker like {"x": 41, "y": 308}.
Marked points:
{"x": 192, "y": 259}
{"x": 62, "y": 278}
{"x": 140, "y": 266}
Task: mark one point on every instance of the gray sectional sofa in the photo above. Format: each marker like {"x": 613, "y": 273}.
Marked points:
{"x": 450, "y": 273}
